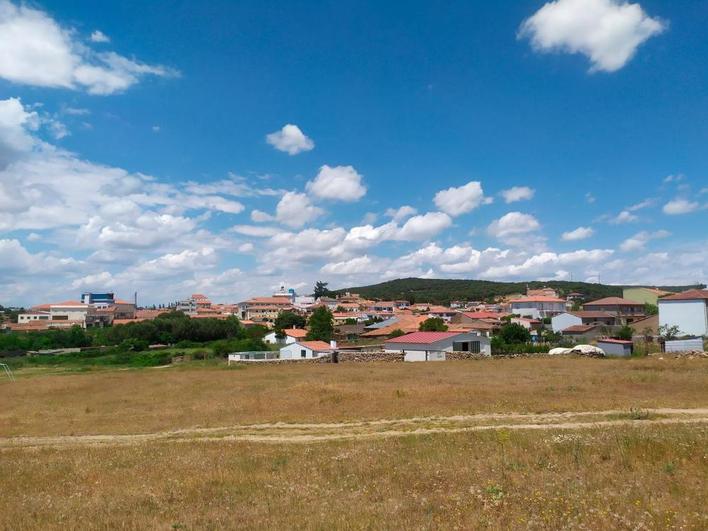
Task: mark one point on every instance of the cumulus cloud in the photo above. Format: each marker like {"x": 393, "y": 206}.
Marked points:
{"x": 608, "y": 32}
{"x": 639, "y": 240}
{"x": 512, "y": 225}
{"x": 623, "y": 217}
{"x": 256, "y": 231}
{"x": 338, "y": 183}
{"x": 580, "y": 233}
{"x": 295, "y": 210}
{"x": 16, "y": 126}
{"x": 460, "y": 200}
{"x": 518, "y": 193}
{"x": 99, "y": 36}
{"x": 680, "y": 206}
{"x": 424, "y": 226}
{"x": 260, "y": 217}
{"x": 401, "y": 213}
{"x": 36, "y": 50}
{"x": 355, "y": 266}
{"x": 290, "y": 139}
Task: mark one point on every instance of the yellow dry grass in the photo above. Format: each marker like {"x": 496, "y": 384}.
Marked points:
{"x": 497, "y": 444}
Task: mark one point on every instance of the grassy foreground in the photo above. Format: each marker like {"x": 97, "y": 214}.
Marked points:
{"x": 638, "y": 473}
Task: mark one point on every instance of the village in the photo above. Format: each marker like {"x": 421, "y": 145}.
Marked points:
{"x": 643, "y": 320}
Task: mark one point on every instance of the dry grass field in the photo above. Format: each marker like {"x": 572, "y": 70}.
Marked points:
{"x": 497, "y": 444}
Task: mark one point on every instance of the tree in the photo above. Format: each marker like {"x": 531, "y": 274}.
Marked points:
{"x": 514, "y": 333}
{"x": 669, "y": 332}
{"x": 625, "y": 333}
{"x": 321, "y": 289}
{"x": 433, "y": 324}
{"x": 396, "y": 333}
{"x": 650, "y": 309}
{"x": 287, "y": 320}
{"x": 321, "y": 324}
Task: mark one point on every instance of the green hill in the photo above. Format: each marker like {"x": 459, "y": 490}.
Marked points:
{"x": 442, "y": 291}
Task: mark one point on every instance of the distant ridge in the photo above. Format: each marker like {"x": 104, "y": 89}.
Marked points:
{"x": 442, "y": 291}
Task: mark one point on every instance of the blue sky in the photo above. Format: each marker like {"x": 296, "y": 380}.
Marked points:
{"x": 533, "y": 140}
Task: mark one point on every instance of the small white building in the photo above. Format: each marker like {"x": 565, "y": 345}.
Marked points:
{"x": 433, "y": 346}
{"x": 291, "y": 335}
{"x": 306, "y": 349}
{"x": 688, "y": 311}
{"x": 538, "y": 307}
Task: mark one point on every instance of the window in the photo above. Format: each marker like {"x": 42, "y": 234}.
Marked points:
{"x": 303, "y": 353}
{"x": 476, "y": 348}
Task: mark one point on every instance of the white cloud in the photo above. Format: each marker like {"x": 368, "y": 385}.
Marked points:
{"x": 295, "y": 210}
{"x": 518, "y": 193}
{"x": 290, "y": 139}
{"x": 512, "y": 225}
{"x": 99, "y": 36}
{"x": 401, "y": 213}
{"x": 680, "y": 206}
{"x": 339, "y": 183}
{"x": 608, "y": 32}
{"x": 259, "y": 216}
{"x": 16, "y": 125}
{"x": 639, "y": 240}
{"x": 355, "y": 266}
{"x": 673, "y": 178}
{"x": 247, "y": 247}
{"x": 580, "y": 233}
{"x": 623, "y": 217}
{"x": 460, "y": 200}
{"x": 589, "y": 198}
{"x": 256, "y": 231}
{"x": 423, "y": 227}
{"x": 36, "y": 50}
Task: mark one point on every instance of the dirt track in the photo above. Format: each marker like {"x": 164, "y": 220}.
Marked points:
{"x": 286, "y": 433}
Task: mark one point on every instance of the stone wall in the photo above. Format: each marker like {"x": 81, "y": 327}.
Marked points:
{"x": 376, "y": 355}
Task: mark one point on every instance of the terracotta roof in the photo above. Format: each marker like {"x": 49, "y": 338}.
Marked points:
{"x": 317, "y": 346}
{"x": 539, "y": 298}
{"x": 423, "y": 337}
{"x": 579, "y": 329}
{"x": 295, "y": 332}
{"x": 485, "y": 315}
{"x": 690, "y": 295}
{"x": 269, "y": 300}
{"x": 613, "y": 301}
{"x": 405, "y": 322}
{"x": 592, "y": 314}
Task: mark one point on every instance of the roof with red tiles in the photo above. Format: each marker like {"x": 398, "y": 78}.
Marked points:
{"x": 690, "y": 295}
{"x": 317, "y": 346}
{"x": 426, "y": 338}
{"x": 538, "y": 298}
{"x": 613, "y": 301}
{"x": 295, "y": 332}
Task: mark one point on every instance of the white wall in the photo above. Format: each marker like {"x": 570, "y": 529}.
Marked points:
{"x": 690, "y": 316}
{"x": 293, "y": 351}
{"x": 564, "y": 320}
{"x": 423, "y": 355}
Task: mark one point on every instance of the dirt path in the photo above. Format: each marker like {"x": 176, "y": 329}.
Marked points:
{"x": 286, "y": 433}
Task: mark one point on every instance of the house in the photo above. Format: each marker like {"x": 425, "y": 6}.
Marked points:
{"x": 648, "y": 326}
{"x": 405, "y": 322}
{"x": 291, "y": 335}
{"x": 528, "y": 324}
{"x": 584, "y": 333}
{"x": 615, "y": 347}
{"x": 441, "y": 312}
{"x": 264, "y": 309}
{"x": 484, "y": 327}
{"x": 433, "y": 346}
{"x": 537, "y": 307}
{"x": 644, "y": 295}
{"x": 687, "y": 310}
{"x": 626, "y": 310}
{"x": 306, "y": 350}
{"x": 566, "y": 319}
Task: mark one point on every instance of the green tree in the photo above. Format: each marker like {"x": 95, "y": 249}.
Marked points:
{"x": 669, "y": 332}
{"x": 396, "y": 333}
{"x": 650, "y": 309}
{"x": 321, "y": 324}
{"x": 514, "y": 333}
{"x": 287, "y": 320}
{"x": 433, "y": 324}
{"x": 625, "y": 333}
{"x": 321, "y": 289}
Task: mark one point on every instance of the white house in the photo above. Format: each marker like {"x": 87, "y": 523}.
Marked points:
{"x": 291, "y": 336}
{"x": 688, "y": 311}
{"x": 306, "y": 349}
{"x": 567, "y": 319}
{"x": 537, "y": 307}
{"x": 433, "y": 346}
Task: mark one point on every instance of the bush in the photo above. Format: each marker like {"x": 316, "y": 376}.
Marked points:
{"x": 433, "y": 324}
{"x": 514, "y": 333}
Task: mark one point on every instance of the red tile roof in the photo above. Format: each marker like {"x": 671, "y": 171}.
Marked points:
{"x": 579, "y": 329}
{"x": 485, "y": 315}
{"x": 295, "y": 332}
{"x": 423, "y": 337}
{"x": 690, "y": 295}
{"x": 613, "y": 301}
{"x": 317, "y": 346}
{"x": 590, "y": 314}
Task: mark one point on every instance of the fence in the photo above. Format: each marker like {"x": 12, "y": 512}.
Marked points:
{"x": 684, "y": 345}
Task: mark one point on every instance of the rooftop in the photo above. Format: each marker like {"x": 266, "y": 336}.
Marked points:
{"x": 317, "y": 346}
{"x": 690, "y": 295}
{"x": 613, "y": 301}
{"x": 423, "y": 337}
{"x": 539, "y": 298}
